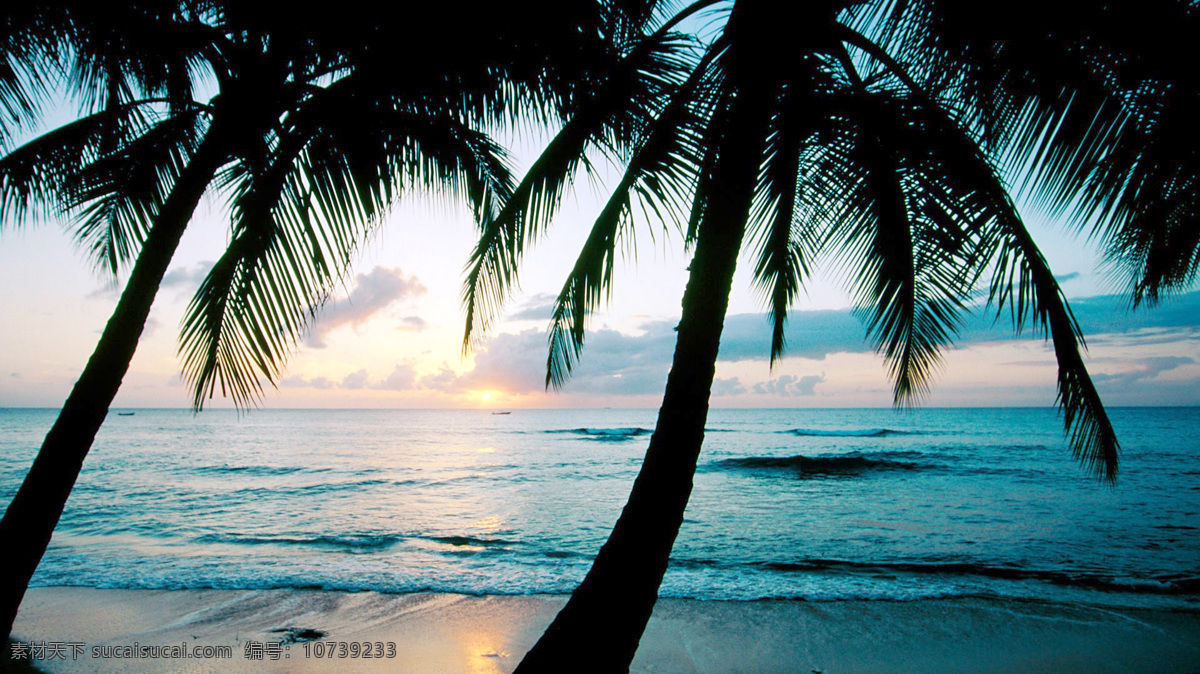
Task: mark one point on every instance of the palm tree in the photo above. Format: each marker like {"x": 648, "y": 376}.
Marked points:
{"x": 315, "y": 128}
{"x": 876, "y": 133}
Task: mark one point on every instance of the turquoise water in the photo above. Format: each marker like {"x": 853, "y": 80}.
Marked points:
{"x": 810, "y": 504}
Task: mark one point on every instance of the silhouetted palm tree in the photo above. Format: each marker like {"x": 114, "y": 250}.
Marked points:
{"x": 318, "y": 124}
{"x": 875, "y": 133}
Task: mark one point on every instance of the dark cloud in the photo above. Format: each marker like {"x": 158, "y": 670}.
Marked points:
{"x": 373, "y": 292}
{"x": 1067, "y": 277}
{"x": 789, "y": 385}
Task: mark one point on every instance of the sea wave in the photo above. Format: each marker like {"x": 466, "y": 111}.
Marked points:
{"x": 848, "y": 432}
{"x": 317, "y": 488}
{"x": 472, "y": 541}
{"x": 559, "y": 573}
{"x": 251, "y": 470}
{"x": 841, "y": 464}
{"x": 1169, "y": 585}
{"x": 604, "y": 434}
{"x": 350, "y": 543}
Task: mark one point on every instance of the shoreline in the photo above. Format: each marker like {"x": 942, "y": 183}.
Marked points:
{"x": 435, "y": 632}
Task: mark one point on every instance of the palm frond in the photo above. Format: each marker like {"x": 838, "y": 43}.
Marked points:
{"x": 1022, "y": 280}
{"x": 117, "y": 196}
{"x": 913, "y": 287}
{"x": 659, "y": 176}
{"x": 614, "y": 113}
{"x": 31, "y": 43}
{"x": 1095, "y": 107}
{"x": 37, "y": 178}
{"x": 784, "y": 248}
{"x": 1023, "y": 283}
{"x": 299, "y": 223}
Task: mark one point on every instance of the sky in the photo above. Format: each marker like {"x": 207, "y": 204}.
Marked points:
{"x": 391, "y": 335}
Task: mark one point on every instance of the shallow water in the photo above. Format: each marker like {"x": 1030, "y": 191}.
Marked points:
{"x": 812, "y": 504}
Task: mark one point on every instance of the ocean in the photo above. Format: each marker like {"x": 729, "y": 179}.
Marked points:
{"x": 819, "y": 505}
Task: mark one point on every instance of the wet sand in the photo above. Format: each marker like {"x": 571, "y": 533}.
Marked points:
{"x": 456, "y": 633}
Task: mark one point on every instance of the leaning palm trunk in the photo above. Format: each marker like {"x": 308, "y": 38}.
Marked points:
{"x": 608, "y": 612}
{"x": 34, "y": 512}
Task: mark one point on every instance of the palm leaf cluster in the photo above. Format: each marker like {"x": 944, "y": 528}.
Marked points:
{"x": 325, "y": 123}
{"x": 1095, "y": 100}
{"x": 882, "y": 132}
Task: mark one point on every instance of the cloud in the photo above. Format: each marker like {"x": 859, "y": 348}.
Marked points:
{"x": 151, "y": 326}
{"x": 540, "y": 307}
{"x": 109, "y": 291}
{"x": 612, "y": 363}
{"x": 1140, "y": 370}
{"x": 185, "y": 276}
{"x": 789, "y": 385}
{"x": 373, "y": 292}
{"x": 296, "y": 381}
{"x": 816, "y": 334}
{"x": 727, "y": 387}
{"x": 618, "y": 364}
{"x": 412, "y": 324}
{"x": 445, "y": 380}
{"x": 401, "y": 379}
{"x": 355, "y": 380}
{"x": 810, "y": 334}
{"x": 1067, "y": 277}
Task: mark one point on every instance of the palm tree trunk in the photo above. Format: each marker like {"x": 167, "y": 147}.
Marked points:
{"x": 606, "y": 615}
{"x": 30, "y": 519}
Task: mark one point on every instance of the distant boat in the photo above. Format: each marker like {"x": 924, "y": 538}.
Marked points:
{"x": 500, "y": 413}
{"x": 126, "y": 414}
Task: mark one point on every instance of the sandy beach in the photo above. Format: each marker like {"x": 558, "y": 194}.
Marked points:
{"x": 457, "y": 633}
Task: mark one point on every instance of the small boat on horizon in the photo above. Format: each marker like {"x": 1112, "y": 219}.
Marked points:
{"x": 126, "y": 414}
{"x": 496, "y": 414}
